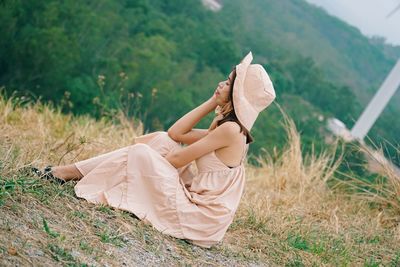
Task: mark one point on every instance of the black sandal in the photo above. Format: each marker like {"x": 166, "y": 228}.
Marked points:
{"x": 48, "y": 174}
{"x": 35, "y": 171}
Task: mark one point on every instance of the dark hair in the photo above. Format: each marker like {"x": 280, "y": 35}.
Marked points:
{"x": 231, "y": 115}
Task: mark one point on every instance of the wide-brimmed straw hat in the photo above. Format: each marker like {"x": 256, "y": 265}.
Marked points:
{"x": 253, "y": 91}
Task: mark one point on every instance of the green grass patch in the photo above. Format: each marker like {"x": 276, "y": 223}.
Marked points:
{"x": 48, "y": 230}
{"x": 83, "y": 245}
{"x": 79, "y": 214}
{"x": 24, "y": 184}
{"x": 298, "y": 242}
{"x": 60, "y": 254}
{"x": 105, "y": 209}
{"x": 64, "y": 256}
{"x": 395, "y": 260}
{"x": 108, "y": 236}
{"x": 372, "y": 262}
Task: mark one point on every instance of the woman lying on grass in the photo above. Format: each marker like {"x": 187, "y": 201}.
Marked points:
{"x": 153, "y": 178}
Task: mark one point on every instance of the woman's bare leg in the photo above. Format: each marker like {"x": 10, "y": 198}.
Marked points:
{"x": 67, "y": 172}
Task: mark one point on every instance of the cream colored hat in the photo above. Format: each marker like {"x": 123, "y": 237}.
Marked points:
{"x": 253, "y": 91}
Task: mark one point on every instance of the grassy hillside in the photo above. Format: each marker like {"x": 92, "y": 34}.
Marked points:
{"x": 293, "y": 212}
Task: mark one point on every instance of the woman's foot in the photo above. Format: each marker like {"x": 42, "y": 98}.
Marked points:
{"x": 47, "y": 173}
{"x": 65, "y": 173}
{"x": 50, "y": 175}
{"x": 59, "y": 174}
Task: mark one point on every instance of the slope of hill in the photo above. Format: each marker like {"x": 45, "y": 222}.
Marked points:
{"x": 293, "y": 211}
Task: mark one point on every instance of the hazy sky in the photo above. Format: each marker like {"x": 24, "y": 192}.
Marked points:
{"x": 367, "y": 15}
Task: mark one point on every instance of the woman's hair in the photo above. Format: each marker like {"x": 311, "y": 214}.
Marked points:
{"x": 228, "y": 111}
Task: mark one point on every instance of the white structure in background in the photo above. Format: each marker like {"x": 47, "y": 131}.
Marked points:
{"x": 338, "y": 128}
{"x": 376, "y": 160}
{"x": 377, "y": 104}
{"x": 213, "y": 5}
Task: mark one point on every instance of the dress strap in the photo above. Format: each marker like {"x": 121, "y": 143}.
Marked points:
{"x": 246, "y": 148}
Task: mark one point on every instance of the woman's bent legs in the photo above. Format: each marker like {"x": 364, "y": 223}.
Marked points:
{"x": 158, "y": 141}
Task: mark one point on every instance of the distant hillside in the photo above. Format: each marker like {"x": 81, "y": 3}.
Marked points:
{"x": 342, "y": 52}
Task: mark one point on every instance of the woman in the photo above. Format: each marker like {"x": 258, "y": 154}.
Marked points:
{"x": 154, "y": 178}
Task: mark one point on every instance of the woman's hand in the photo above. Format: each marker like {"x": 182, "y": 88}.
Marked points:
{"x": 213, "y": 100}
{"x": 190, "y": 119}
{"x": 217, "y": 109}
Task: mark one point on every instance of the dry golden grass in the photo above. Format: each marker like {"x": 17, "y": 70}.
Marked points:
{"x": 383, "y": 192}
{"x": 288, "y": 214}
{"x": 44, "y": 135}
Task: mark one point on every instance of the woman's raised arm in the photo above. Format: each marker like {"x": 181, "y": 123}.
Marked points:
{"x": 185, "y": 124}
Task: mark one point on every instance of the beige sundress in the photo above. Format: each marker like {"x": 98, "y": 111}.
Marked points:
{"x": 196, "y": 205}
